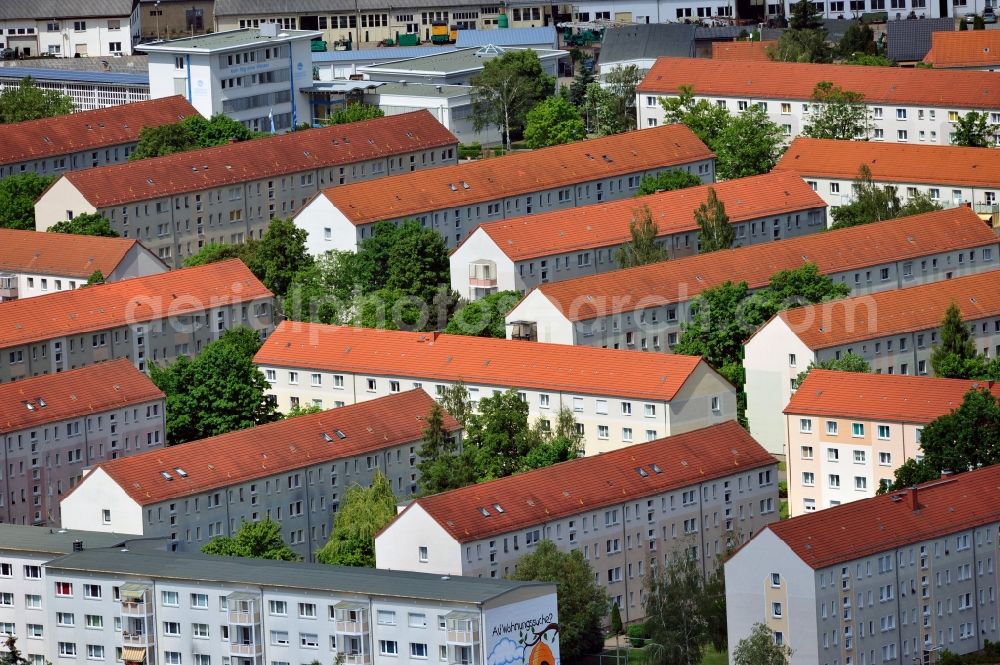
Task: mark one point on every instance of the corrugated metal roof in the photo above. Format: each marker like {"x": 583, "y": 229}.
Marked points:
{"x": 291, "y": 574}
{"x": 509, "y": 37}
{"x": 60, "y": 9}
{"x": 380, "y": 54}
{"x": 647, "y": 41}
{"x": 62, "y": 75}
{"x": 908, "y": 41}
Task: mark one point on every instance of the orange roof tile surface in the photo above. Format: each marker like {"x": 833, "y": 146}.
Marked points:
{"x": 73, "y": 393}
{"x": 890, "y": 397}
{"x": 894, "y": 312}
{"x": 968, "y": 48}
{"x": 603, "y": 224}
{"x": 260, "y": 158}
{"x": 477, "y": 360}
{"x": 517, "y": 173}
{"x": 892, "y": 162}
{"x": 882, "y": 523}
{"x": 61, "y": 253}
{"x": 88, "y": 130}
{"x": 589, "y": 483}
{"x": 844, "y": 249}
{"x": 134, "y": 300}
{"x": 756, "y": 51}
{"x": 266, "y": 450}
{"x": 794, "y": 80}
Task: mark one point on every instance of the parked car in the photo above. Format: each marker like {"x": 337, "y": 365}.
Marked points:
{"x": 989, "y": 16}
{"x": 970, "y": 18}
{"x": 7, "y": 54}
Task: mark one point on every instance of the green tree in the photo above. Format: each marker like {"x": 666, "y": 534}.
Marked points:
{"x": 280, "y": 254}
{"x": 616, "y": 108}
{"x": 363, "y": 512}
{"x": 801, "y": 46}
{"x": 442, "y": 465}
{"x": 12, "y": 655}
{"x": 498, "y": 436}
{"x": 582, "y": 603}
{"x": 408, "y": 257}
{"x": 508, "y": 87}
{"x": 857, "y": 39}
{"x": 872, "y": 203}
{"x": 484, "y": 317}
{"x": 191, "y": 133}
{"x": 455, "y": 401}
{"x": 951, "y": 356}
{"x": 554, "y": 445}
{"x": 849, "y": 362}
{"x": 216, "y": 251}
{"x": 297, "y": 411}
{"x": 758, "y": 648}
{"x": 962, "y": 26}
{"x": 749, "y": 144}
{"x": 616, "y": 626}
{"x": 869, "y": 60}
{"x": 974, "y": 130}
{"x": 553, "y": 121}
{"x": 909, "y": 473}
{"x": 354, "y": 112}
{"x": 836, "y": 113}
{"x": 221, "y": 390}
{"x": 978, "y": 23}
{"x": 643, "y": 248}
{"x": 712, "y": 605}
{"x": 677, "y": 629}
{"x": 322, "y": 292}
{"x": 805, "y": 16}
{"x": 96, "y": 277}
{"x": 18, "y": 194}
{"x": 253, "y": 540}
{"x": 29, "y": 102}
{"x": 85, "y": 224}
{"x": 716, "y": 232}
{"x": 667, "y": 181}
{"x": 162, "y": 140}
{"x": 578, "y": 88}
{"x": 705, "y": 119}
{"x": 390, "y": 309}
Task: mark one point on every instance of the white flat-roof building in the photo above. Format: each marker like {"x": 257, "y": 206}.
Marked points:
{"x": 253, "y": 75}
{"x": 456, "y": 67}
{"x": 61, "y": 29}
{"x": 617, "y": 397}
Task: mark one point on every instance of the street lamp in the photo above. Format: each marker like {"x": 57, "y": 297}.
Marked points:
{"x": 157, "y": 6}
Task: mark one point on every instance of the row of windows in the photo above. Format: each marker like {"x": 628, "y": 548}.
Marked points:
{"x": 857, "y": 431}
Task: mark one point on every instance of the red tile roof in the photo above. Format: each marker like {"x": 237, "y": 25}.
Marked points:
{"x": 756, "y": 51}
{"x": 892, "y": 162}
{"x": 73, "y": 393}
{"x": 61, "y": 254}
{"x": 796, "y": 81}
{"x": 266, "y": 450}
{"x": 518, "y": 173}
{"x": 603, "y": 224}
{"x": 970, "y": 48}
{"x": 477, "y": 360}
{"x": 888, "y": 397}
{"x": 833, "y": 251}
{"x": 862, "y": 528}
{"x": 250, "y": 160}
{"x": 590, "y": 483}
{"x": 88, "y": 130}
{"x": 894, "y": 312}
{"x": 134, "y": 300}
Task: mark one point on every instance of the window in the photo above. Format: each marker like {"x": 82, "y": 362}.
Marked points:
{"x": 307, "y": 610}
{"x": 92, "y": 591}
{"x": 418, "y": 650}
{"x": 860, "y": 483}
{"x": 279, "y": 637}
{"x": 67, "y": 649}
{"x": 860, "y": 457}
{"x": 386, "y": 618}
{"x": 422, "y": 553}
{"x": 64, "y": 589}
{"x": 172, "y": 657}
{"x": 171, "y": 628}
{"x": 831, "y": 427}
{"x": 805, "y": 425}
{"x": 834, "y": 481}
{"x": 808, "y": 478}
{"x": 416, "y": 620}
{"x": 885, "y": 459}
{"x": 199, "y": 601}
{"x": 65, "y": 619}
{"x": 833, "y": 455}
{"x": 776, "y": 610}
{"x": 388, "y": 648}
{"x": 650, "y": 410}
{"x": 857, "y": 430}
{"x": 883, "y": 432}
{"x": 199, "y": 630}
{"x": 278, "y": 608}
{"x": 169, "y": 598}
{"x": 309, "y": 640}
{"x": 626, "y": 408}
{"x": 602, "y": 432}
{"x": 775, "y": 580}
{"x": 807, "y": 452}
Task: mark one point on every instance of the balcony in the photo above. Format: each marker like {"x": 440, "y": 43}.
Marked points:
{"x": 143, "y": 640}
{"x": 351, "y": 618}
{"x": 244, "y": 609}
{"x": 483, "y": 274}
{"x": 245, "y": 649}
{"x": 357, "y": 658}
{"x": 462, "y": 628}
{"x": 8, "y": 286}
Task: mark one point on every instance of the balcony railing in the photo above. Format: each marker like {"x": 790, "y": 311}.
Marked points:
{"x": 464, "y": 637}
{"x": 482, "y": 282}
{"x": 138, "y": 640}
{"x": 130, "y": 609}
{"x": 345, "y": 627}
{"x": 248, "y": 650}
{"x": 357, "y": 658}
{"x": 244, "y": 618}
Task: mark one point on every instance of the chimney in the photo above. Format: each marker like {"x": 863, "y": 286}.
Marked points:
{"x": 77, "y": 545}
{"x": 914, "y": 502}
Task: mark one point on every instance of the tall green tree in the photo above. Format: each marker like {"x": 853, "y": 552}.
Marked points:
{"x": 705, "y": 119}
{"x": 849, "y": 362}
{"x": 217, "y": 251}
{"x": 805, "y": 16}
{"x": 749, "y": 144}
{"x": 18, "y": 194}
{"x": 677, "y": 629}
{"x": 498, "y": 435}
{"x": 456, "y": 402}
{"x": 553, "y": 445}
{"x": 835, "y": 113}
{"x": 801, "y": 46}
{"x": 716, "y": 233}
{"x": 361, "y": 515}
{"x": 643, "y": 248}
{"x": 354, "y": 112}
{"x": 876, "y": 203}
{"x": 254, "y": 540}
{"x": 508, "y": 87}
{"x": 29, "y": 102}
{"x": 975, "y": 130}
{"x": 859, "y": 38}
{"x": 85, "y": 224}
{"x": 442, "y": 465}
{"x": 553, "y": 121}
{"x": 950, "y": 357}
{"x": 758, "y": 648}
{"x": 191, "y": 133}
{"x": 12, "y": 655}
{"x": 484, "y": 317}
{"x": 616, "y": 626}
{"x": 280, "y": 254}
{"x": 220, "y": 391}
{"x": 616, "y": 108}
{"x": 667, "y": 181}
{"x": 582, "y": 603}
{"x": 578, "y": 88}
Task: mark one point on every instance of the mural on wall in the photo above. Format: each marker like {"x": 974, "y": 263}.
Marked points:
{"x": 525, "y": 633}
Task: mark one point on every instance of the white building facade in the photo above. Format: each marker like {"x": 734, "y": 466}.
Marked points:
{"x": 98, "y": 29}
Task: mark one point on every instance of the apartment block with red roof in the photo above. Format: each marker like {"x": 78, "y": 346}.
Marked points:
{"x": 896, "y": 578}
{"x": 966, "y": 49}
{"x": 627, "y": 511}
{"x": 831, "y": 169}
{"x": 52, "y": 146}
{"x": 34, "y": 264}
{"x": 616, "y": 397}
{"x": 848, "y": 432}
{"x": 454, "y": 200}
{"x": 645, "y": 308}
{"x": 228, "y": 194}
{"x": 521, "y": 253}
{"x": 294, "y": 471}
{"x": 156, "y": 318}
{"x": 57, "y": 425}
{"x": 919, "y": 106}
{"x": 894, "y": 331}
